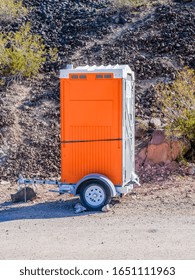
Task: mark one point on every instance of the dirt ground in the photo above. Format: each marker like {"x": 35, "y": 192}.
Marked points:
{"x": 153, "y": 222}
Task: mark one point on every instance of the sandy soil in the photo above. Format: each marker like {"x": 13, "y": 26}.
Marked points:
{"x": 153, "y": 222}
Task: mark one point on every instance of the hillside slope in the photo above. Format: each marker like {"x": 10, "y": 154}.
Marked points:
{"x": 154, "y": 40}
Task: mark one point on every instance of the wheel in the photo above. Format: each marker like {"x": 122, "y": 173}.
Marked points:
{"x": 94, "y": 194}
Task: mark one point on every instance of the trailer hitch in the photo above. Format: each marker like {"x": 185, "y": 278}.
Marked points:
{"x": 63, "y": 187}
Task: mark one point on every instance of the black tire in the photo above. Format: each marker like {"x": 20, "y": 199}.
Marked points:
{"x": 94, "y": 194}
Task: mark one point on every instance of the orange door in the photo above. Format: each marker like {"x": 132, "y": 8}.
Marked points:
{"x": 91, "y": 131}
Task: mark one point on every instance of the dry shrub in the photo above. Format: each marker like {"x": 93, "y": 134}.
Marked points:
{"x": 178, "y": 103}
{"x": 21, "y": 53}
{"x": 10, "y": 9}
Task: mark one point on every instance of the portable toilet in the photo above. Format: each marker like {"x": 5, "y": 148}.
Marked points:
{"x": 97, "y": 131}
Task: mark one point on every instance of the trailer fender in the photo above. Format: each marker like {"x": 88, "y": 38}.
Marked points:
{"x": 99, "y": 177}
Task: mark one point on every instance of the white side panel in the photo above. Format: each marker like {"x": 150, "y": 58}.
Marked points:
{"x": 128, "y": 129}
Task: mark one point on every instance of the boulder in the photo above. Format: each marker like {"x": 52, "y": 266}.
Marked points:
{"x": 158, "y": 137}
{"x": 155, "y": 123}
{"x": 162, "y": 149}
{"x": 23, "y": 195}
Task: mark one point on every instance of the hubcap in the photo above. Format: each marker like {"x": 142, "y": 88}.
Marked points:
{"x": 94, "y": 195}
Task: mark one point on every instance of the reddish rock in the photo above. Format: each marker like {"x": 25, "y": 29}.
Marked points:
{"x": 158, "y": 137}
{"x": 156, "y": 161}
{"x": 165, "y": 152}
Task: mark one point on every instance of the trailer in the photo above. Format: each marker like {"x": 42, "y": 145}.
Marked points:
{"x": 97, "y": 109}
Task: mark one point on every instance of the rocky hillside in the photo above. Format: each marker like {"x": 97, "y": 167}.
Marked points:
{"x": 155, "y": 40}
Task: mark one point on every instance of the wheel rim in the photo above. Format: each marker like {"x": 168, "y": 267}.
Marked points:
{"x": 95, "y": 195}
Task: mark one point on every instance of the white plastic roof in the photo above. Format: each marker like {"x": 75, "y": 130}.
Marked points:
{"x": 119, "y": 71}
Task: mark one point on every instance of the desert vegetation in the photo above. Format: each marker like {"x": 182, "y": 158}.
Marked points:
{"x": 11, "y": 9}
{"x": 178, "y": 103}
{"x": 22, "y": 53}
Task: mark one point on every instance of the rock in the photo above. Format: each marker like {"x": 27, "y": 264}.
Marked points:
{"x": 122, "y": 19}
{"x": 172, "y": 166}
{"x": 106, "y": 208}
{"x": 160, "y": 179}
{"x": 162, "y": 152}
{"x": 190, "y": 170}
{"x": 162, "y": 149}
{"x": 23, "y": 195}
{"x": 79, "y": 208}
{"x": 2, "y": 182}
{"x": 158, "y": 137}
{"x": 141, "y": 128}
{"x": 155, "y": 123}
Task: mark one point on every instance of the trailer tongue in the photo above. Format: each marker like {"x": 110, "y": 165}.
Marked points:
{"x": 97, "y": 134}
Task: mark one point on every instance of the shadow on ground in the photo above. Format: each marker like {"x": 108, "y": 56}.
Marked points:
{"x": 48, "y": 210}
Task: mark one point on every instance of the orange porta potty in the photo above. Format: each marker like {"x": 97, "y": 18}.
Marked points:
{"x": 97, "y": 123}
{"x": 97, "y": 134}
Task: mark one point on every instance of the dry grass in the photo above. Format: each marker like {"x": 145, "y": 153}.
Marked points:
{"x": 137, "y": 3}
{"x": 10, "y": 9}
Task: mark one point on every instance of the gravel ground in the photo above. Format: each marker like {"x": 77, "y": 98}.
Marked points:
{"x": 153, "y": 222}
